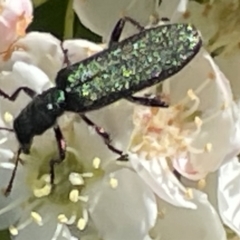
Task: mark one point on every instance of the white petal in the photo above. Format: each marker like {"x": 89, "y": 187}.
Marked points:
{"x": 34, "y": 231}
{"x": 89, "y": 233}
{"x": 22, "y": 74}
{"x": 62, "y": 233}
{"x": 125, "y": 212}
{"x": 161, "y": 181}
{"x": 218, "y": 90}
{"x": 31, "y": 76}
{"x": 228, "y": 194}
{"x": 209, "y": 185}
{"x": 5, "y": 156}
{"x": 187, "y": 224}
{"x": 10, "y": 209}
{"x": 79, "y": 49}
{"x": 42, "y": 50}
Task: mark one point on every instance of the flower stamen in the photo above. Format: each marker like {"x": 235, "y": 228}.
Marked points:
{"x": 42, "y": 192}
{"x": 76, "y": 179}
{"x": 24, "y": 224}
{"x": 72, "y": 219}
{"x": 87, "y": 175}
{"x": 11, "y": 206}
{"x": 82, "y": 222}
{"x": 194, "y": 107}
{"x": 74, "y": 196}
{"x": 96, "y": 162}
{"x": 8, "y": 117}
{"x": 62, "y": 218}
{"x": 113, "y": 182}
{"x": 37, "y": 218}
{"x": 189, "y": 194}
{"x": 13, "y": 230}
{"x": 83, "y": 198}
{"x": 201, "y": 184}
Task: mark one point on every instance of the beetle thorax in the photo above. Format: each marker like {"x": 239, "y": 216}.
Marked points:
{"x": 38, "y": 116}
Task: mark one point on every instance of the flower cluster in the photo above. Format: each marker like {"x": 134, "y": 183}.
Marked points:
{"x": 181, "y": 180}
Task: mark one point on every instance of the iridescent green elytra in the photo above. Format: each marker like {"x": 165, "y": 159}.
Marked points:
{"x": 140, "y": 61}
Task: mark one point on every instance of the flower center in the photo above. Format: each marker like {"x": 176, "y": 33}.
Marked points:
{"x": 66, "y": 196}
{"x": 169, "y": 132}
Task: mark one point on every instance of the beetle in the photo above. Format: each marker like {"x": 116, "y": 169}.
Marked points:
{"x": 124, "y": 68}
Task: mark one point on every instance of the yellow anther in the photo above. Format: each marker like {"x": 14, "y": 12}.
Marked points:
{"x": 191, "y": 94}
{"x": 189, "y": 193}
{"x": 198, "y": 122}
{"x": 161, "y": 213}
{"x": 201, "y": 184}
{"x": 42, "y": 192}
{"x": 81, "y": 224}
{"x": 37, "y": 218}
{"x": 224, "y": 106}
{"x": 113, "y": 182}
{"x": 208, "y": 147}
{"x": 76, "y": 179}
{"x": 74, "y": 195}
{"x": 96, "y": 162}
{"x": 8, "y": 117}
{"x": 46, "y": 178}
{"x": 62, "y": 218}
{"x": 13, "y": 230}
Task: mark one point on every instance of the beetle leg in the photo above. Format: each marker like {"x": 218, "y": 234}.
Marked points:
{"x": 10, "y": 183}
{"x": 61, "y": 144}
{"x": 105, "y": 136}
{"x": 66, "y": 59}
{"x": 116, "y": 33}
{"x": 147, "y": 101}
{"x": 31, "y": 93}
{"x": 164, "y": 19}
{"x": 7, "y": 129}
{"x": 177, "y": 175}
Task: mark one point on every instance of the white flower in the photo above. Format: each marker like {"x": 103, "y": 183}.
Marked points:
{"x": 186, "y": 135}
{"x": 104, "y": 200}
{"x": 84, "y": 181}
